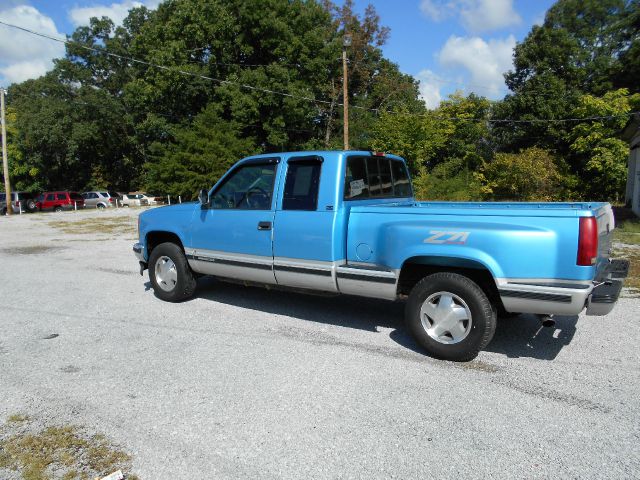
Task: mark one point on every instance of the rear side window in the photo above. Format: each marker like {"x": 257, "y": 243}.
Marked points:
{"x": 401, "y": 182}
{"x": 375, "y": 177}
{"x": 3, "y": 197}
{"x": 61, "y": 196}
{"x": 51, "y": 197}
{"x": 302, "y": 184}
{"x": 356, "y": 184}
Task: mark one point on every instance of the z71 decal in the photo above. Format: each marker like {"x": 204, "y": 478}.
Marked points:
{"x": 441, "y": 237}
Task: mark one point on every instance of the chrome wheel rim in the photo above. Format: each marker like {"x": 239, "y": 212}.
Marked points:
{"x": 446, "y": 318}
{"x": 166, "y": 273}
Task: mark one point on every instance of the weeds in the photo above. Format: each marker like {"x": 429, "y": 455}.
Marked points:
{"x": 107, "y": 225}
{"x": 626, "y": 236}
{"x": 65, "y": 452}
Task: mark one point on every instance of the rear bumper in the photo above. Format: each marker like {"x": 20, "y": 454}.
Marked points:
{"x": 565, "y": 297}
{"x": 605, "y": 295}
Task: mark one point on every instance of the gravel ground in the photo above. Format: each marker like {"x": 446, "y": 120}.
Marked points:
{"x": 249, "y": 383}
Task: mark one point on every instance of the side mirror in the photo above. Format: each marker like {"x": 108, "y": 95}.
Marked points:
{"x": 203, "y": 197}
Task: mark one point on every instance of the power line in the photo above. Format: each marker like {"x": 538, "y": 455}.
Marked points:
{"x": 164, "y": 67}
{"x": 306, "y": 98}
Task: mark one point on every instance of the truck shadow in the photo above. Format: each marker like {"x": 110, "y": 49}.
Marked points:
{"x": 520, "y": 336}
{"x": 516, "y": 337}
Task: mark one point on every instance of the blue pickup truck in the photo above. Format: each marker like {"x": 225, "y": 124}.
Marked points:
{"x": 347, "y": 222}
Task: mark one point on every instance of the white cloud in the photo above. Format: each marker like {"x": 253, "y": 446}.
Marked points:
{"x": 429, "y": 88}
{"x": 475, "y": 15}
{"x": 116, "y": 11}
{"x": 22, "y": 55}
{"x": 484, "y": 61}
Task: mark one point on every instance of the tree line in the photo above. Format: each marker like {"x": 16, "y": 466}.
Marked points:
{"x": 254, "y": 76}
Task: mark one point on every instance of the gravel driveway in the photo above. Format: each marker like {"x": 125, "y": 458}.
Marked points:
{"x": 244, "y": 382}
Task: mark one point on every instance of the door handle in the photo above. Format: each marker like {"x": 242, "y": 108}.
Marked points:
{"x": 264, "y": 225}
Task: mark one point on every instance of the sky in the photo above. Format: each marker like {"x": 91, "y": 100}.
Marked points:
{"x": 448, "y": 45}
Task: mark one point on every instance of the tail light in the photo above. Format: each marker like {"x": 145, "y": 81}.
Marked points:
{"x": 111, "y": 200}
{"x": 588, "y": 241}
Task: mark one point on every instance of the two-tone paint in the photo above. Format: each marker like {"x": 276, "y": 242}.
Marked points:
{"x": 361, "y": 247}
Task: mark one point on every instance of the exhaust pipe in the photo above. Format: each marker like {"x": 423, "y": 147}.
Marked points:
{"x": 547, "y": 320}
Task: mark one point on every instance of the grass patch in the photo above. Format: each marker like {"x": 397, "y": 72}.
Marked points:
{"x": 106, "y": 225}
{"x": 32, "y": 250}
{"x": 633, "y": 255}
{"x": 17, "y": 418}
{"x": 627, "y": 227}
{"x": 627, "y": 233}
{"x": 65, "y": 452}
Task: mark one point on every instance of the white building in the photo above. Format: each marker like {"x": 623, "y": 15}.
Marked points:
{"x": 632, "y": 195}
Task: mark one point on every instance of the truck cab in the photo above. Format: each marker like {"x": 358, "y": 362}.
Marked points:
{"x": 347, "y": 222}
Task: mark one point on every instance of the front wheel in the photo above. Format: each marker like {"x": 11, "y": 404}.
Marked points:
{"x": 170, "y": 274}
{"x": 450, "y": 316}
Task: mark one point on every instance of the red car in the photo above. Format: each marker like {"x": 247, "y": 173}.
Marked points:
{"x": 59, "y": 201}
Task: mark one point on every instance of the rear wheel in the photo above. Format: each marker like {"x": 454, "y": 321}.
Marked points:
{"x": 100, "y": 206}
{"x": 450, "y": 316}
{"x": 170, "y": 274}
{"x": 57, "y": 209}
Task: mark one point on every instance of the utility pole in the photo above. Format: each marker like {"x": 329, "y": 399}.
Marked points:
{"x": 5, "y": 162}
{"x": 346, "y": 42}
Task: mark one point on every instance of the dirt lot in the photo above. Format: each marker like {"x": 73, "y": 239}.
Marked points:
{"x": 248, "y": 383}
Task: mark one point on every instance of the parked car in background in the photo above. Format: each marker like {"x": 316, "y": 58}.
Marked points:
{"x": 59, "y": 201}
{"x": 151, "y": 199}
{"x": 156, "y": 199}
{"x": 20, "y": 201}
{"x": 117, "y": 198}
{"x": 98, "y": 199}
{"x": 134, "y": 200}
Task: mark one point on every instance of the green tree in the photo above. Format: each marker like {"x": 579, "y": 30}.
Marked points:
{"x": 442, "y": 146}
{"x": 603, "y": 157}
{"x": 575, "y": 51}
{"x": 198, "y": 156}
{"x": 65, "y": 131}
{"x": 530, "y": 175}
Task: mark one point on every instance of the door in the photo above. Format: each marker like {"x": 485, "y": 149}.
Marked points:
{"x": 233, "y": 237}
{"x": 303, "y": 235}
{"x": 49, "y": 201}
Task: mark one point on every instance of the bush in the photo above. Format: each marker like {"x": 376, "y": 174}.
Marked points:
{"x": 531, "y": 175}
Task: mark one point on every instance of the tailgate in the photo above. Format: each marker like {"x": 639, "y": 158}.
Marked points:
{"x": 606, "y": 225}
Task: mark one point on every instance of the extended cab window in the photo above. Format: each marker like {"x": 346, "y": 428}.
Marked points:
{"x": 401, "y": 182}
{"x": 375, "y": 177}
{"x": 249, "y": 187}
{"x": 302, "y": 184}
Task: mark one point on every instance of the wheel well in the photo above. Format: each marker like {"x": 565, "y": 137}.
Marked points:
{"x": 415, "y": 269}
{"x": 156, "y": 238}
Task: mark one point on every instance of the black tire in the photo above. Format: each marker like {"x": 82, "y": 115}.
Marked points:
{"x": 31, "y": 205}
{"x": 185, "y": 284}
{"x": 483, "y": 316}
{"x": 57, "y": 209}
{"x": 100, "y": 206}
